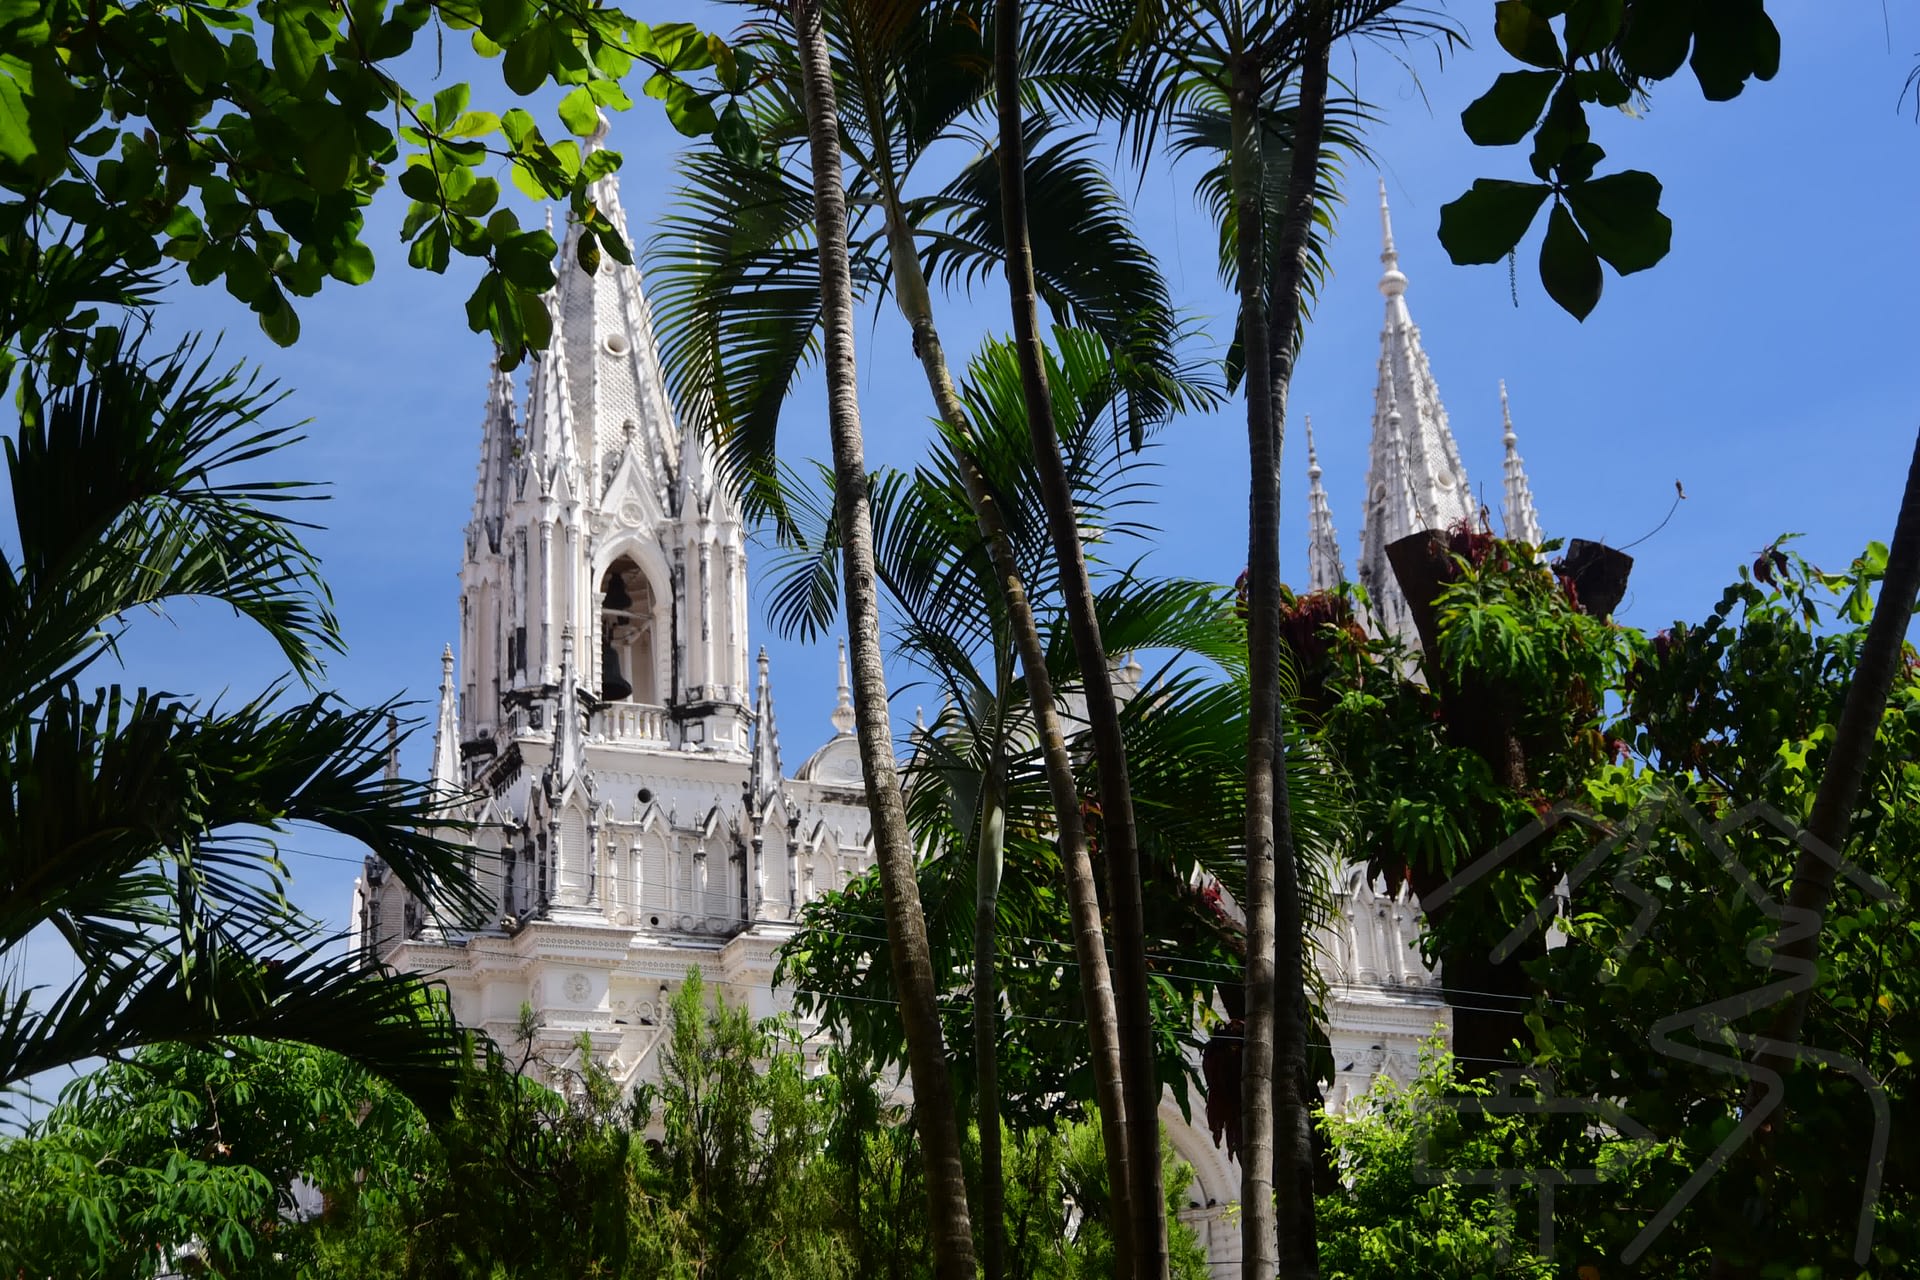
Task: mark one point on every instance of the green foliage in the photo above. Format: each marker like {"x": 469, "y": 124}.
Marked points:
{"x": 245, "y": 141}
{"x": 139, "y": 827}
{"x": 1418, "y": 1165}
{"x": 740, "y": 1161}
{"x": 1692, "y": 756}
{"x": 1605, "y": 53}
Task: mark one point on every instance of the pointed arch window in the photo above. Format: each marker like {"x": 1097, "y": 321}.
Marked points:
{"x": 626, "y": 634}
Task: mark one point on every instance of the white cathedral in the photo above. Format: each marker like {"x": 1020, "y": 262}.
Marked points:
{"x": 601, "y": 720}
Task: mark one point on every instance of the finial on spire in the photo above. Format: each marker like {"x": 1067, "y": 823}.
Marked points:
{"x": 1517, "y": 511}
{"x": 1392, "y": 281}
{"x": 843, "y": 718}
{"x": 446, "y": 732}
{"x": 1324, "y": 570}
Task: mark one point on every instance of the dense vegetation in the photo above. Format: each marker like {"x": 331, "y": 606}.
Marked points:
{"x": 1695, "y": 926}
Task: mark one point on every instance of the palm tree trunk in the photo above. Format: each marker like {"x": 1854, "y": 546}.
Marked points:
{"x": 950, "y": 1223}
{"x": 1293, "y": 1172}
{"x": 1083, "y": 899}
{"x": 1813, "y": 875}
{"x": 1139, "y": 1077}
{"x": 1258, "y": 1241}
{"x": 990, "y": 860}
{"x": 1277, "y": 1138}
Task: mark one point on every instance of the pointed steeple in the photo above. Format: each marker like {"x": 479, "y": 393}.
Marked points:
{"x": 766, "y": 774}
{"x": 446, "y": 733}
{"x": 1415, "y": 479}
{"x": 569, "y": 749}
{"x": 499, "y": 442}
{"x": 1324, "y": 570}
{"x": 1517, "y": 515}
{"x": 843, "y": 717}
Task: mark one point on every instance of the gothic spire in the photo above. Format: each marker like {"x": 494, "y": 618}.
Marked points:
{"x": 1324, "y": 570}
{"x": 1415, "y": 479}
{"x": 767, "y": 773}
{"x": 499, "y": 439}
{"x": 446, "y": 732}
{"x": 843, "y": 718}
{"x": 1517, "y": 515}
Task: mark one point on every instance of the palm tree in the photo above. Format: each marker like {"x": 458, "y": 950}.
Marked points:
{"x": 906, "y": 925}
{"x": 739, "y": 318}
{"x": 1183, "y": 61}
{"x": 1148, "y": 1242}
{"x": 976, "y": 785}
{"x": 138, "y": 827}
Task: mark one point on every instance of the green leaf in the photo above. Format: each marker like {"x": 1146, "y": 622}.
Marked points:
{"x": 1564, "y": 128}
{"x": 1525, "y": 34}
{"x": 503, "y": 20}
{"x": 330, "y": 148}
{"x": 1487, "y": 222}
{"x": 1591, "y": 25}
{"x": 1568, "y": 268}
{"x": 279, "y": 320}
{"x": 519, "y": 125}
{"x": 579, "y": 114}
{"x": 296, "y": 57}
{"x": 587, "y": 253}
{"x": 528, "y": 60}
{"x": 736, "y": 137}
{"x": 1621, "y": 216}
{"x": 687, "y": 110}
{"x": 1655, "y": 43}
{"x": 448, "y": 105}
{"x": 479, "y": 198}
{"x": 353, "y": 264}
{"x": 1604, "y": 87}
{"x": 432, "y": 250}
{"x": 196, "y": 53}
{"x": 1507, "y": 112}
{"x": 417, "y": 180}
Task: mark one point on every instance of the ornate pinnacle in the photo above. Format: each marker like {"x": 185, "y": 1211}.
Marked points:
{"x": 843, "y": 717}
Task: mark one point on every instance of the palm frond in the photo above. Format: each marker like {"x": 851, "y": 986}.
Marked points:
{"x": 125, "y": 494}
{"x": 1092, "y": 269}
{"x": 256, "y": 986}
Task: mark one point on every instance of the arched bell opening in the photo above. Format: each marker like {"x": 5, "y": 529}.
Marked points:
{"x": 626, "y": 634}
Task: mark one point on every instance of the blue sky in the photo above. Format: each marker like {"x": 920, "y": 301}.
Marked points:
{"x": 1767, "y": 363}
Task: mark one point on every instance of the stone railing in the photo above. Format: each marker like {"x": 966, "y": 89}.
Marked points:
{"x": 630, "y": 722}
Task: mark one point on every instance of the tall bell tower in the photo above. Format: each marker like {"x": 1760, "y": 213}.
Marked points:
{"x": 603, "y": 553}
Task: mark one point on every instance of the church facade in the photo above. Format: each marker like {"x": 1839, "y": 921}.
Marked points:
{"x": 603, "y": 722}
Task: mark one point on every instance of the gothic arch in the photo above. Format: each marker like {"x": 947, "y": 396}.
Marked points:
{"x": 632, "y": 619}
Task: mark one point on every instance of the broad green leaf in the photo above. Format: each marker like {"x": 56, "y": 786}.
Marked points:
{"x": 296, "y": 57}
{"x": 528, "y": 60}
{"x": 579, "y": 114}
{"x": 1621, "y": 216}
{"x": 1525, "y": 34}
{"x": 503, "y": 20}
{"x": 353, "y": 264}
{"x": 1591, "y": 25}
{"x": 279, "y": 320}
{"x": 1487, "y": 222}
{"x": 1568, "y": 268}
{"x": 736, "y": 136}
{"x": 1655, "y": 43}
{"x": 1507, "y": 112}
{"x": 448, "y": 106}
